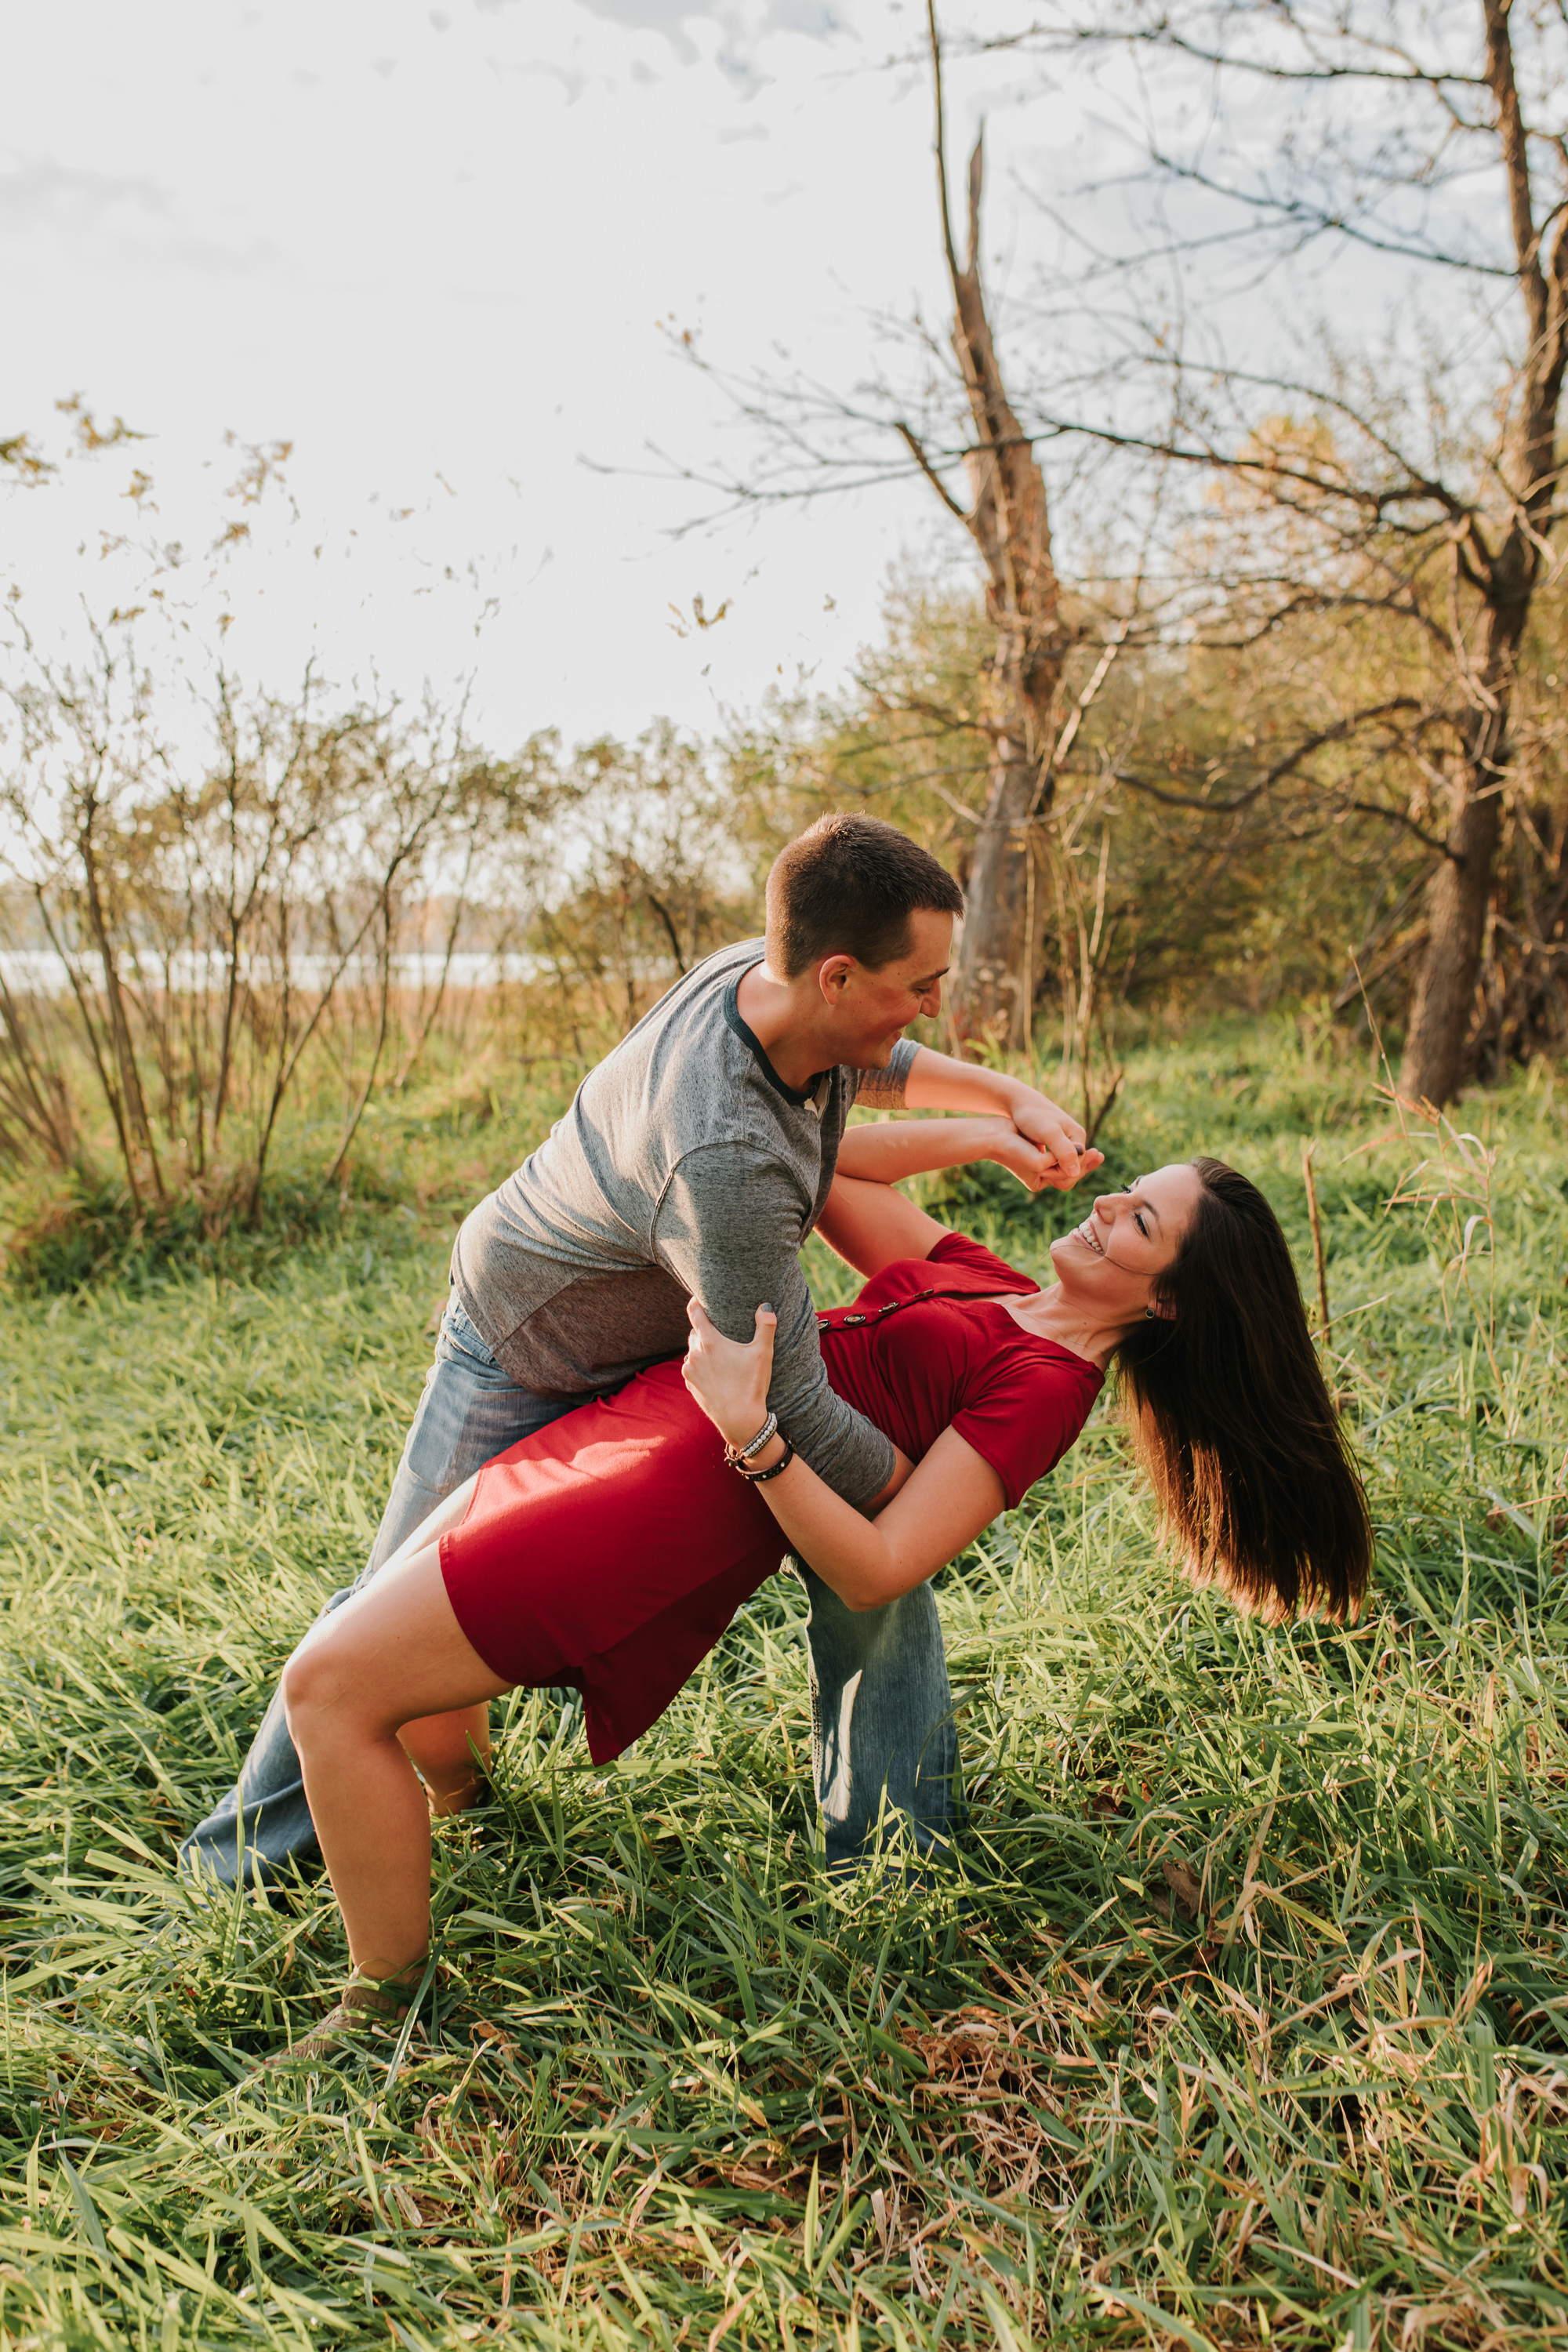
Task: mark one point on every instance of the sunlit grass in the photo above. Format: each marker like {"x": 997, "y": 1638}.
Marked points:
{"x": 1246, "y": 2027}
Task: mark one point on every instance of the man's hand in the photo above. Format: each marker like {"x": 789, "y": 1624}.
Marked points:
{"x": 937, "y": 1082}
{"x": 1035, "y": 1168}
{"x": 1056, "y": 1136}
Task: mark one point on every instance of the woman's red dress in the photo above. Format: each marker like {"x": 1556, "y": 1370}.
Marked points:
{"x": 609, "y": 1551}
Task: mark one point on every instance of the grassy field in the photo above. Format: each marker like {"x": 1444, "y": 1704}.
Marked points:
{"x": 1247, "y": 2028}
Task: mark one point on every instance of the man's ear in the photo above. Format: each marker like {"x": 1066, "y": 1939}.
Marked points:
{"x": 832, "y": 973}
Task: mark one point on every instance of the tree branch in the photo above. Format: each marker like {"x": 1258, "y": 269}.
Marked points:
{"x": 929, "y": 470}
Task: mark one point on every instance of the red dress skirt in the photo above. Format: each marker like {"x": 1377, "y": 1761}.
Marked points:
{"x": 607, "y": 1552}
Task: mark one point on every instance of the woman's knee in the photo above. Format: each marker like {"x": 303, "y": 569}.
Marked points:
{"x": 313, "y": 1686}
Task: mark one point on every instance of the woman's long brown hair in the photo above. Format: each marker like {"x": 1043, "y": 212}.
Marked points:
{"x": 1233, "y": 1423}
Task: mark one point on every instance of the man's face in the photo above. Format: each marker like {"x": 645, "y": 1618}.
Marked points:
{"x": 871, "y": 1008}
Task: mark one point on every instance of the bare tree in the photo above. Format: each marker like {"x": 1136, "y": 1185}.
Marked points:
{"x": 210, "y": 926}
{"x": 1008, "y": 519}
{"x": 1500, "y": 558}
{"x": 957, "y": 429}
{"x": 1425, "y": 509}
{"x": 88, "y": 731}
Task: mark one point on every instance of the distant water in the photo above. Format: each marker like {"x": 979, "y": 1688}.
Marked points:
{"x": 39, "y": 972}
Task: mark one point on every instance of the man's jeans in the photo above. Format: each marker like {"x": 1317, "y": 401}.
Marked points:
{"x": 884, "y": 1750}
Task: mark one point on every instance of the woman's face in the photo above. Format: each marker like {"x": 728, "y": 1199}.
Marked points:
{"x": 1111, "y": 1262}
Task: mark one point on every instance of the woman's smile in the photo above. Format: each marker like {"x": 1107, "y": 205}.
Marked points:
{"x": 1086, "y": 1232}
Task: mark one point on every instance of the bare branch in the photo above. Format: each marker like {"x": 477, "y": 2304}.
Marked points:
{"x": 929, "y": 470}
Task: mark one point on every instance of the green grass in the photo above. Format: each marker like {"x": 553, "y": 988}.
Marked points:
{"x": 1248, "y": 2030}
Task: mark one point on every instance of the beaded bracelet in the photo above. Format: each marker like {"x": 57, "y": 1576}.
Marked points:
{"x": 760, "y": 1478}
{"x": 733, "y": 1453}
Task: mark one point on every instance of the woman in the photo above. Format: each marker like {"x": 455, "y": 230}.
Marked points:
{"x": 611, "y": 1549}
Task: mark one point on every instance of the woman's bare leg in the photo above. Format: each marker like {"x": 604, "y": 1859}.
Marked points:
{"x": 389, "y": 1658}
{"x": 450, "y": 1753}
{"x": 442, "y": 1746}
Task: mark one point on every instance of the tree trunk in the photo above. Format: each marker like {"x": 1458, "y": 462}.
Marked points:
{"x": 989, "y": 990}
{"x": 1506, "y": 578}
{"x": 1008, "y": 521}
{"x": 1444, "y": 1000}
{"x": 1443, "y": 1007}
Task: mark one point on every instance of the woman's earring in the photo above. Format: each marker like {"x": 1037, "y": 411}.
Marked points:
{"x": 1149, "y": 1314}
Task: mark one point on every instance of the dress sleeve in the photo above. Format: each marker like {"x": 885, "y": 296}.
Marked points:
{"x": 1025, "y": 1417}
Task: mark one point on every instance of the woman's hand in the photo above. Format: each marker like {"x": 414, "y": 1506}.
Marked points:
{"x": 1035, "y": 1166}
{"x": 730, "y": 1381}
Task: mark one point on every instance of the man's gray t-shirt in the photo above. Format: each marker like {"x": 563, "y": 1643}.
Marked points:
{"x": 685, "y": 1168}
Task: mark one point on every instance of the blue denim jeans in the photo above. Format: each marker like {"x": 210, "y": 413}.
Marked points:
{"x": 884, "y": 1750}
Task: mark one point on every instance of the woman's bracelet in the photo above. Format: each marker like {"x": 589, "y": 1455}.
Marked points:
{"x": 734, "y": 1453}
{"x": 760, "y": 1478}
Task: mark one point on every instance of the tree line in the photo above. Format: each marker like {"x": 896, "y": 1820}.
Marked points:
{"x": 204, "y": 940}
{"x": 1288, "y": 721}
{"x": 202, "y": 937}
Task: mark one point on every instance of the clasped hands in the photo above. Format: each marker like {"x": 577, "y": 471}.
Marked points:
{"x": 1042, "y": 1144}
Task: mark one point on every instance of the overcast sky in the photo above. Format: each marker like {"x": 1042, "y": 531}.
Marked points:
{"x": 431, "y": 246}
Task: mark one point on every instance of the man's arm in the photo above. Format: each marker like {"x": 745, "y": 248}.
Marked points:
{"x": 937, "y": 1082}
{"x": 729, "y": 1227}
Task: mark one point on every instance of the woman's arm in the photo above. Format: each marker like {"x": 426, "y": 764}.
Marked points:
{"x": 891, "y": 1149}
{"x": 948, "y": 1498}
{"x": 871, "y": 1226}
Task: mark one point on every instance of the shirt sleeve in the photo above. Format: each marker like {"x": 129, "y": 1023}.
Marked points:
{"x": 729, "y": 1227}
{"x": 884, "y": 1089}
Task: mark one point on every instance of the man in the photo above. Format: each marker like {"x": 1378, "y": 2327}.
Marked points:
{"x": 693, "y": 1162}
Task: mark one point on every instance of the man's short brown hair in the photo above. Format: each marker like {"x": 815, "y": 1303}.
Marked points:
{"x": 848, "y": 885}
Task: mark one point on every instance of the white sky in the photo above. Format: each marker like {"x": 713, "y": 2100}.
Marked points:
{"x": 430, "y": 247}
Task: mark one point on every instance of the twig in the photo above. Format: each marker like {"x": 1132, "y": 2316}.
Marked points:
{"x": 1307, "y": 1151}
{"x": 1103, "y": 1113}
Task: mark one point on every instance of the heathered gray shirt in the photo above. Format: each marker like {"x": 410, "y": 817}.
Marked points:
{"x": 685, "y": 1168}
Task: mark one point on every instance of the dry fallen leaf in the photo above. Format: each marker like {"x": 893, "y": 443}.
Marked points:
{"x": 1182, "y": 1884}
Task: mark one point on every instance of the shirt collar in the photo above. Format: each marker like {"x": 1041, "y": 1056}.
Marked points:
{"x": 813, "y": 1098}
